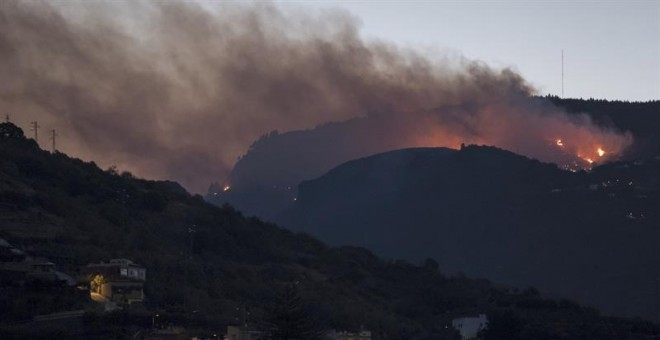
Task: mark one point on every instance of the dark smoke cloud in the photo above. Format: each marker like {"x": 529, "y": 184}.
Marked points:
{"x": 178, "y": 90}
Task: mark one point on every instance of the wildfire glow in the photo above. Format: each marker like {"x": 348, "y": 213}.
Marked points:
{"x": 587, "y": 155}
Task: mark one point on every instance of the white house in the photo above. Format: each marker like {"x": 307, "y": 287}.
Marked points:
{"x": 470, "y": 327}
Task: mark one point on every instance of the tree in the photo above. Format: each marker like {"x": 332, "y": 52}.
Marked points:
{"x": 431, "y": 264}
{"x": 290, "y": 320}
{"x": 503, "y": 325}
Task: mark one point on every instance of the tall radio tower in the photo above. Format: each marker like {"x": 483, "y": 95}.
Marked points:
{"x": 562, "y": 73}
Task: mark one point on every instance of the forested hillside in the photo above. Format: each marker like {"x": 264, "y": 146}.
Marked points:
{"x": 203, "y": 262}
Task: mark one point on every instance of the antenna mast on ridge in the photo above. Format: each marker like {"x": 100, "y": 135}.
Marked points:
{"x": 562, "y": 73}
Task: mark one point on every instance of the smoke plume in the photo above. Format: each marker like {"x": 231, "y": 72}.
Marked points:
{"x": 180, "y": 90}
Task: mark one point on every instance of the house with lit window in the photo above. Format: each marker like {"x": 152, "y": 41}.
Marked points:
{"x": 120, "y": 281}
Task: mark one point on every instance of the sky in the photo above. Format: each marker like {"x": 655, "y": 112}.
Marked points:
{"x": 611, "y": 48}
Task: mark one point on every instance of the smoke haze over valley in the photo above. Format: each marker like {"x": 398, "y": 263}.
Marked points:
{"x": 287, "y": 170}
{"x": 180, "y": 90}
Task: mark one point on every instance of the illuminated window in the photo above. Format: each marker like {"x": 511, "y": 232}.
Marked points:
{"x": 97, "y": 283}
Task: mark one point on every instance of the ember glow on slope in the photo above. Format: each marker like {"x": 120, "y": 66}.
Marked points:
{"x": 529, "y": 130}
{"x": 175, "y": 90}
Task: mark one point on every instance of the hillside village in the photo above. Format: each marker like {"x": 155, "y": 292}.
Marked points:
{"x": 116, "y": 285}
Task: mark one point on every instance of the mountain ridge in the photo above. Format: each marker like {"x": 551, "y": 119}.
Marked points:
{"x": 263, "y": 181}
{"x": 491, "y": 213}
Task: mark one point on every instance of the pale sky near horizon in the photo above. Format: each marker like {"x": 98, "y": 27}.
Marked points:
{"x": 611, "y": 48}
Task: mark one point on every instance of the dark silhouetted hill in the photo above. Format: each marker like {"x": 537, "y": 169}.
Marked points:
{"x": 490, "y": 213}
{"x": 263, "y": 182}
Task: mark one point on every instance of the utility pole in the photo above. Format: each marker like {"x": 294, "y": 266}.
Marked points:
{"x": 241, "y": 318}
{"x": 191, "y": 231}
{"x": 188, "y": 264}
{"x": 53, "y": 134}
{"x": 35, "y": 128}
{"x": 245, "y": 313}
{"x": 7, "y": 118}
